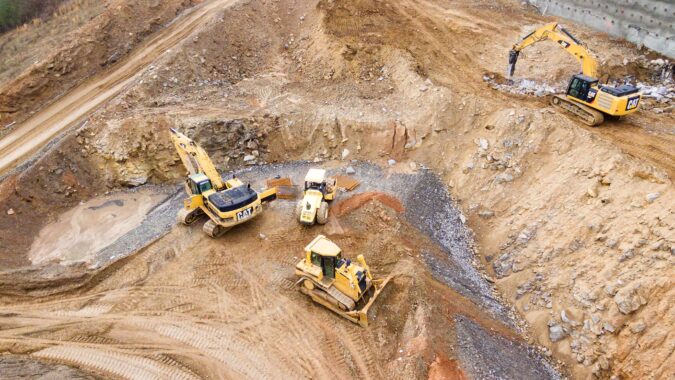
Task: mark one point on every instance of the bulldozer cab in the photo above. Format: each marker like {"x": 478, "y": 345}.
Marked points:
{"x": 326, "y": 263}
{"x": 324, "y": 254}
{"x": 581, "y": 87}
{"x": 199, "y": 183}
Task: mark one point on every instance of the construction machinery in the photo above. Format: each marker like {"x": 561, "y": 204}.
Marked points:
{"x": 318, "y": 192}
{"x": 337, "y": 283}
{"x": 585, "y": 96}
{"x": 226, "y": 203}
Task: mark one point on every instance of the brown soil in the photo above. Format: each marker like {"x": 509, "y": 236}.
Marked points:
{"x": 189, "y": 306}
{"x": 573, "y": 224}
{"x": 346, "y": 206}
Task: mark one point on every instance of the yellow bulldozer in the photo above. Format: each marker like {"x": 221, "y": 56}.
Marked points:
{"x": 345, "y": 287}
{"x": 585, "y": 97}
{"x": 319, "y": 190}
{"x": 226, "y": 203}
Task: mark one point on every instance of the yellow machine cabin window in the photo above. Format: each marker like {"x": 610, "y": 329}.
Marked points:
{"x": 329, "y": 267}
{"x": 315, "y": 186}
{"x": 205, "y": 186}
{"x": 579, "y": 88}
{"x": 198, "y": 188}
{"x": 316, "y": 259}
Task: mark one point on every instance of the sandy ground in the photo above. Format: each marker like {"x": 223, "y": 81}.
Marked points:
{"x": 81, "y": 232}
{"x": 189, "y": 306}
{"x": 572, "y": 225}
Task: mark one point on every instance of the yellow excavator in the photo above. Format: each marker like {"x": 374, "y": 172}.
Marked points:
{"x": 337, "y": 283}
{"x": 226, "y": 203}
{"x": 585, "y": 96}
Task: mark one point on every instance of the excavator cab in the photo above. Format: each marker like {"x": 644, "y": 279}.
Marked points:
{"x": 199, "y": 183}
{"x": 583, "y": 88}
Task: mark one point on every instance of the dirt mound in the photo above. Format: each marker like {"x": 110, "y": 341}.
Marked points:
{"x": 346, "y": 206}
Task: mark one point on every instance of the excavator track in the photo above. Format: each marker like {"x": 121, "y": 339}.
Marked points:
{"x": 188, "y": 217}
{"x": 587, "y": 114}
{"x": 213, "y": 229}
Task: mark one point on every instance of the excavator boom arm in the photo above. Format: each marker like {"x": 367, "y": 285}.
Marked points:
{"x": 195, "y": 159}
{"x": 556, "y": 33}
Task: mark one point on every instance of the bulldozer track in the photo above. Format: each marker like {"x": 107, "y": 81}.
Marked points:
{"x": 32, "y": 134}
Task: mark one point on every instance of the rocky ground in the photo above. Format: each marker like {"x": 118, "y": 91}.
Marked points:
{"x": 573, "y": 224}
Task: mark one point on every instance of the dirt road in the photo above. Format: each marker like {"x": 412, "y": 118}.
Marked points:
{"x": 39, "y": 129}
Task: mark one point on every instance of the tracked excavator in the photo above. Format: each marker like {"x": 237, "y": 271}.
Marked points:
{"x": 226, "y": 203}
{"x": 337, "y": 283}
{"x": 585, "y": 97}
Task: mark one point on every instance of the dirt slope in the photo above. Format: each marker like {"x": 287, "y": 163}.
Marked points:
{"x": 79, "y": 102}
{"x": 574, "y": 225}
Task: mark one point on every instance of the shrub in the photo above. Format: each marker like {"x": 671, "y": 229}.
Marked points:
{"x": 16, "y": 12}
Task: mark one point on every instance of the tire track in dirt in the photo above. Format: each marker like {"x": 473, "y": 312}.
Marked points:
{"x": 126, "y": 366}
{"x": 658, "y": 149}
{"x": 237, "y": 355}
{"x": 40, "y": 128}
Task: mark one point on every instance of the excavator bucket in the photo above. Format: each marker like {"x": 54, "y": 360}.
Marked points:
{"x": 268, "y": 195}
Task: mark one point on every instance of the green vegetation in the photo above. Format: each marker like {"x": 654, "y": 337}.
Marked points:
{"x": 16, "y": 12}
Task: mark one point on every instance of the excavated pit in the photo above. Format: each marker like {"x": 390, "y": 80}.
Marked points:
{"x": 573, "y": 225}
{"x": 428, "y": 247}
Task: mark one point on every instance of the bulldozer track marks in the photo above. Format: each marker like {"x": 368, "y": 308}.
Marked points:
{"x": 227, "y": 348}
{"x": 114, "y": 363}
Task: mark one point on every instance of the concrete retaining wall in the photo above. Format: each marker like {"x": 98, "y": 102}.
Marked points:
{"x": 644, "y": 22}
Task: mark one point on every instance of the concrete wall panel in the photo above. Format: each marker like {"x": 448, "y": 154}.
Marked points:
{"x": 644, "y": 22}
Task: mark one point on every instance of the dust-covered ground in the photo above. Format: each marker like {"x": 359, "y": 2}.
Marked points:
{"x": 574, "y": 225}
{"x": 190, "y": 306}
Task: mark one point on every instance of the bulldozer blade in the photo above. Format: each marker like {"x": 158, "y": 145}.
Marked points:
{"x": 359, "y": 317}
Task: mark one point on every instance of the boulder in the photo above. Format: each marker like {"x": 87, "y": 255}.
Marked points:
{"x": 556, "y": 333}
{"x": 629, "y": 300}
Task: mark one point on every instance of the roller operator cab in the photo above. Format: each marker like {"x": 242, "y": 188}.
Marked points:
{"x": 318, "y": 191}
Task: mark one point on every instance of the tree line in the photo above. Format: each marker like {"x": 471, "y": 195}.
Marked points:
{"x": 16, "y": 12}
